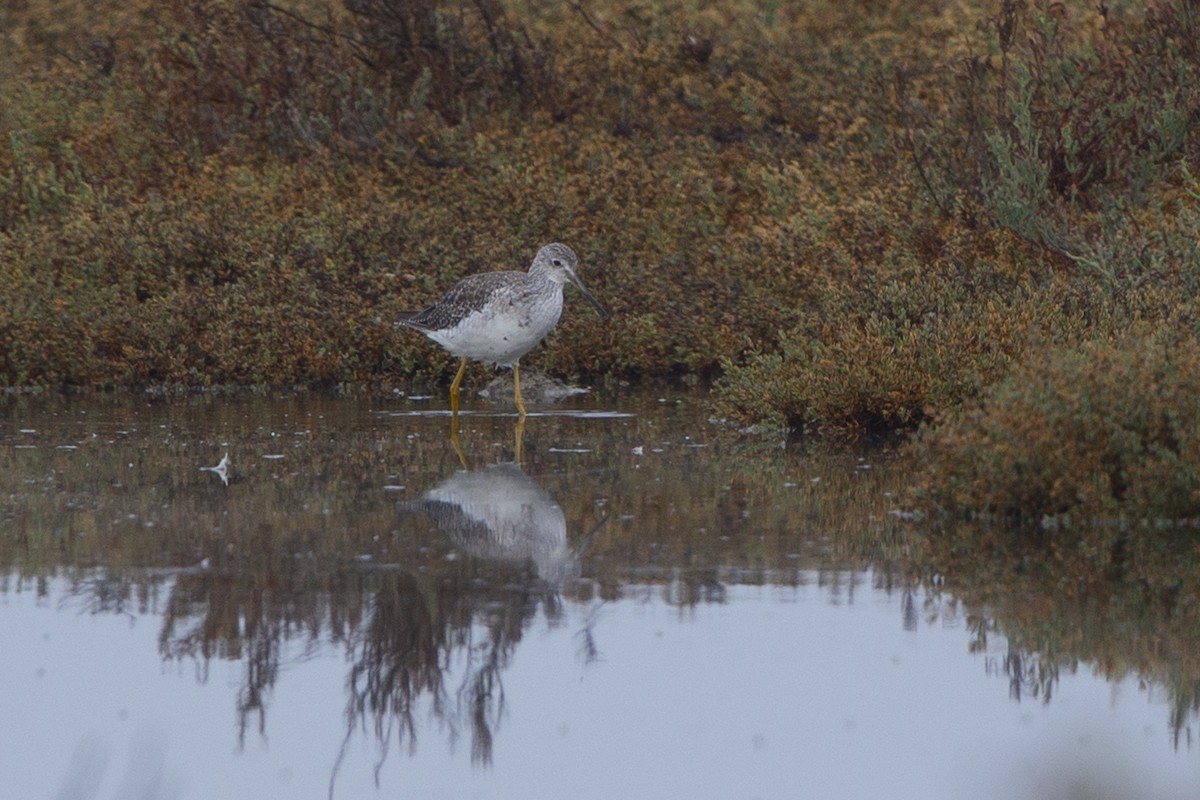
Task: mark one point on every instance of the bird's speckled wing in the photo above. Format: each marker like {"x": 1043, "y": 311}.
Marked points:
{"x": 469, "y": 296}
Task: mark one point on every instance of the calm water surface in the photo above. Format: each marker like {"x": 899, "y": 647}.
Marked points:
{"x": 644, "y": 606}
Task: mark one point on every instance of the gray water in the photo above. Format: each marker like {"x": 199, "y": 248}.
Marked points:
{"x": 645, "y": 605}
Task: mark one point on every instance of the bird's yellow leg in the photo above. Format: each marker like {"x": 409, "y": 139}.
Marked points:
{"x": 517, "y": 391}
{"x": 462, "y": 369}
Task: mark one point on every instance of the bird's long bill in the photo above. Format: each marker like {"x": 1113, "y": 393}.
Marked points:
{"x": 578, "y": 284}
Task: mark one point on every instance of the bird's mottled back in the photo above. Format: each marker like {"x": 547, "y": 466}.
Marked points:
{"x": 469, "y": 296}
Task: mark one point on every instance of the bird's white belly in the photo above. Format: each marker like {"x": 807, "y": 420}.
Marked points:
{"x": 501, "y": 333}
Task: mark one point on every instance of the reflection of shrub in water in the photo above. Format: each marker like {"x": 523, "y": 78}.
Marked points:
{"x": 1058, "y": 612}
{"x": 251, "y": 618}
{"x": 403, "y": 632}
{"x": 397, "y": 658}
{"x": 414, "y": 633}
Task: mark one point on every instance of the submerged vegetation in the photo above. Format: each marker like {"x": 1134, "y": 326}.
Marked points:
{"x": 865, "y": 216}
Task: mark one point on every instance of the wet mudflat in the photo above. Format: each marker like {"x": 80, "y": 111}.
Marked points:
{"x": 645, "y": 605}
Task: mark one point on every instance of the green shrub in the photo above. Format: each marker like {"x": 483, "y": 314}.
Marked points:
{"x": 1060, "y": 124}
{"x": 1106, "y": 432}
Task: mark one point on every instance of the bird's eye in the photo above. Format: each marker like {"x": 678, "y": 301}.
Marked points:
{"x": 557, "y": 262}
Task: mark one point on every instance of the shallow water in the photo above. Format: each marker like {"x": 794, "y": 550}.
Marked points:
{"x": 645, "y": 606}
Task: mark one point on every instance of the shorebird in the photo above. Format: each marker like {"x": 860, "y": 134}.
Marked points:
{"x": 497, "y": 317}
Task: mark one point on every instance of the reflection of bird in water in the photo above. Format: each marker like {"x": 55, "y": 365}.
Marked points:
{"x": 499, "y": 513}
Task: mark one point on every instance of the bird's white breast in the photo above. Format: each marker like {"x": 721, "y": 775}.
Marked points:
{"x": 506, "y": 328}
